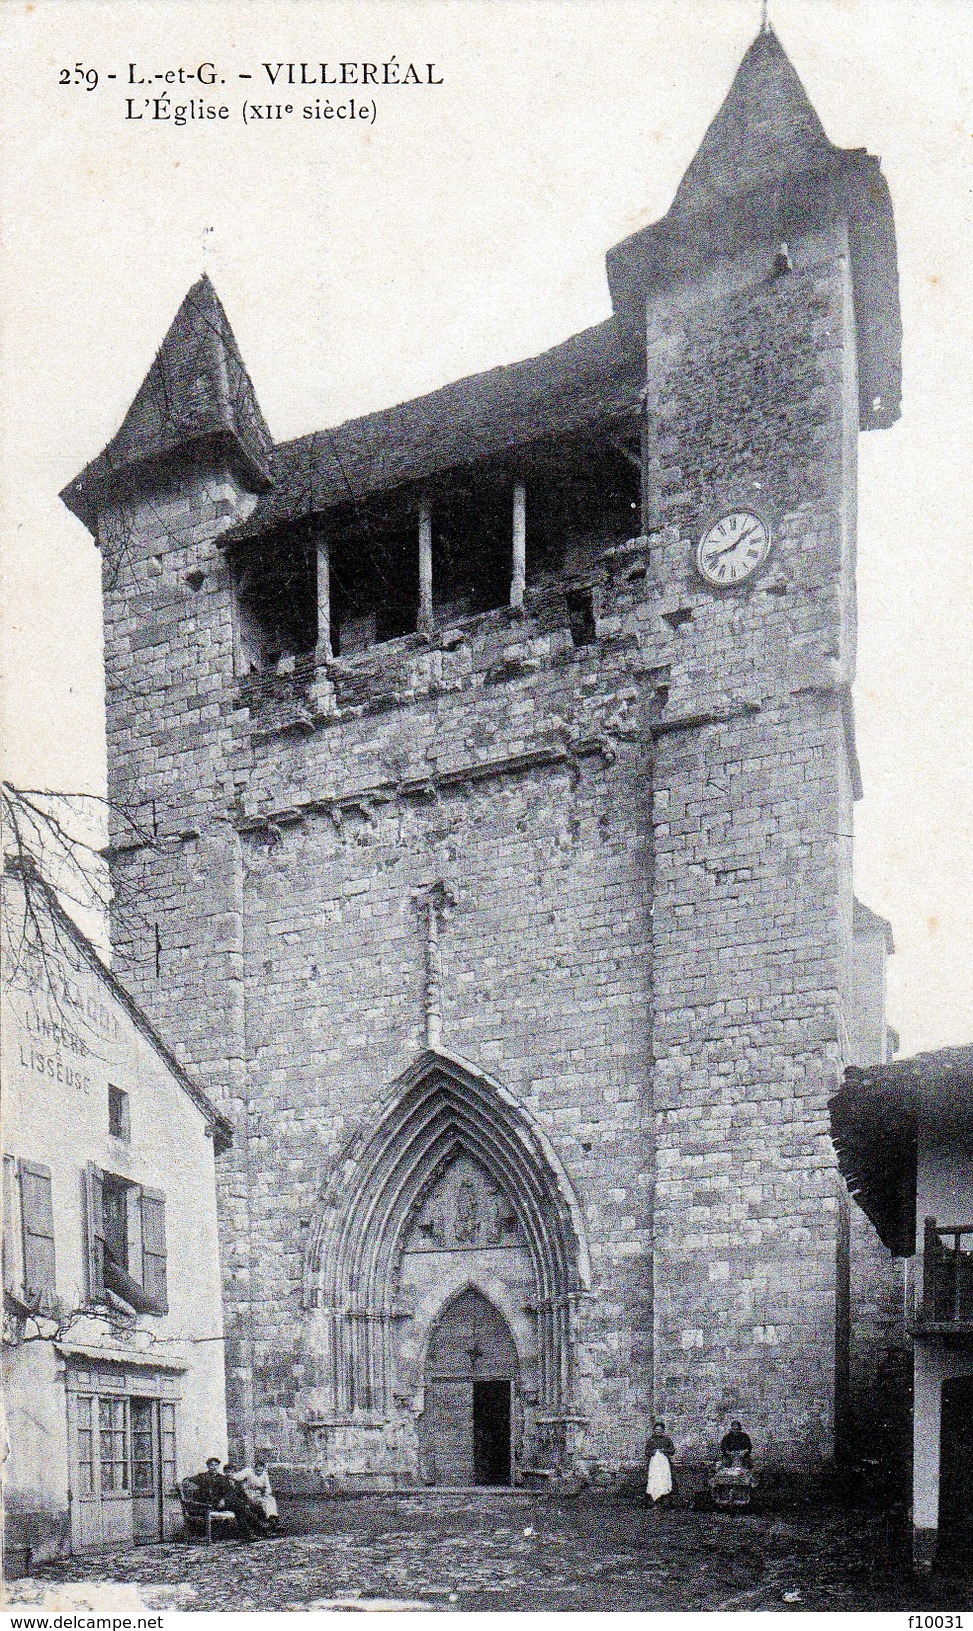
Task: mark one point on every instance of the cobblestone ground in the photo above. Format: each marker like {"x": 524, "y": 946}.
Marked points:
{"x": 466, "y": 1551}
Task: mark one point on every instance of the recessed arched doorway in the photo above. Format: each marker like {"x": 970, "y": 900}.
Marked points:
{"x": 451, "y": 1186}
{"x": 466, "y": 1431}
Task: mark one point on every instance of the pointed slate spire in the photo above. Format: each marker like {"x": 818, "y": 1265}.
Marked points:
{"x": 197, "y": 390}
{"x": 764, "y": 156}
{"x": 764, "y": 174}
{"x": 766, "y": 129}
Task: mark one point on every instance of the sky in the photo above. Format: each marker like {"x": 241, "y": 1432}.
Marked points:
{"x": 362, "y": 263}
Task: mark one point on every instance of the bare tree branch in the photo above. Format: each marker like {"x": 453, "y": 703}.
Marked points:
{"x": 54, "y": 844}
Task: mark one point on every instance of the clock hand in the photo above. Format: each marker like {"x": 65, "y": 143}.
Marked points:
{"x": 735, "y": 543}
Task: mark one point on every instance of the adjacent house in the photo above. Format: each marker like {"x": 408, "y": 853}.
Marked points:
{"x": 112, "y": 1333}
{"x": 904, "y": 1136}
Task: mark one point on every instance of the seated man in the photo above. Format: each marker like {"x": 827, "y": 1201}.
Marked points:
{"x": 732, "y": 1481}
{"x": 255, "y": 1482}
{"x": 736, "y": 1447}
{"x": 223, "y": 1494}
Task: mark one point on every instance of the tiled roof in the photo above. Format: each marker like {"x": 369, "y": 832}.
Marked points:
{"x": 584, "y": 381}
{"x": 875, "y": 1125}
{"x": 765, "y": 128}
{"x": 764, "y": 171}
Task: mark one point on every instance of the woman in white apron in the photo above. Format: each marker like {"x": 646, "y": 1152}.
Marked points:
{"x": 256, "y": 1487}
{"x": 659, "y": 1455}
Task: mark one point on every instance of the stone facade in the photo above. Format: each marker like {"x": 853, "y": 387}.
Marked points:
{"x": 560, "y": 890}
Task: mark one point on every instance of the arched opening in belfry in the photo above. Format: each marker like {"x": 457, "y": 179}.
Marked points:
{"x": 467, "y": 1430}
{"x": 453, "y": 1200}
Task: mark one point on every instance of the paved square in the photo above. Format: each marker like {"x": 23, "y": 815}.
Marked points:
{"x": 516, "y": 1551}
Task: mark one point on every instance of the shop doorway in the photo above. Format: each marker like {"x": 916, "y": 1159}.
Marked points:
{"x": 123, "y": 1460}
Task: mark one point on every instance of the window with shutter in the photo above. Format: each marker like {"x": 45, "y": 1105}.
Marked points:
{"x": 154, "y": 1248}
{"x": 126, "y": 1242}
{"x": 11, "y": 1266}
{"x": 134, "y": 1223}
{"x": 95, "y": 1232}
{"x": 37, "y": 1220}
{"x": 123, "y": 1257}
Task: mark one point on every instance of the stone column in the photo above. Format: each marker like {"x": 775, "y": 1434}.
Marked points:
{"x": 651, "y": 507}
{"x": 432, "y": 902}
{"x": 425, "y": 567}
{"x": 324, "y": 651}
{"x": 519, "y": 573}
{"x": 434, "y": 977}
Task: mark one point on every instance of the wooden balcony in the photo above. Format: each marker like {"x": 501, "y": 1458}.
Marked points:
{"x": 946, "y": 1305}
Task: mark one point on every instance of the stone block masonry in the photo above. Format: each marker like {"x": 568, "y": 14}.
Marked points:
{"x": 539, "y": 986}
{"x": 648, "y": 845}
{"x": 549, "y": 904}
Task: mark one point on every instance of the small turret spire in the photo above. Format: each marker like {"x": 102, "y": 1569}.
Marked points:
{"x": 197, "y": 391}
{"x": 764, "y": 20}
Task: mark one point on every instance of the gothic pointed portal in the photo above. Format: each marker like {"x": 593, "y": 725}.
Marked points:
{"x": 455, "y": 1193}
{"x": 197, "y": 391}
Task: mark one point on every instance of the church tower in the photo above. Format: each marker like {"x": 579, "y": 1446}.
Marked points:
{"x": 494, "y": 763}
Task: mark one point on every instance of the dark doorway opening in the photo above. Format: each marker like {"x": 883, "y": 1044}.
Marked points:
{"x": 491, "y": 1432}
{"x": 956, "y": 1468}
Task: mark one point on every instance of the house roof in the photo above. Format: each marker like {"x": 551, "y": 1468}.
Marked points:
{"x": 876, "y": 1119}
{"x": 197, "y": 389}
{"x": 222, "y": 1129}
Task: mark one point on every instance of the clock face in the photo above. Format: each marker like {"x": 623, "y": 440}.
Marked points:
{"x": 732, "y": 548}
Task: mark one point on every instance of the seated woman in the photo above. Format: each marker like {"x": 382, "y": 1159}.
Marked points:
{"x": 221, "y": 1492}
{"x": 255, "y": 1482}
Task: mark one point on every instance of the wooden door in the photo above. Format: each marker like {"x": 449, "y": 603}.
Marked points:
{"x": 101, "y": 1471}
{"x": 114, "y": 1483}
{"x": 471, "y": 1369}
{"x": 85, "y": 1506}
{"x": 146, "y": 1470}
{"x": 447, "y": 1431}
{"x": 956, "y": 1468}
